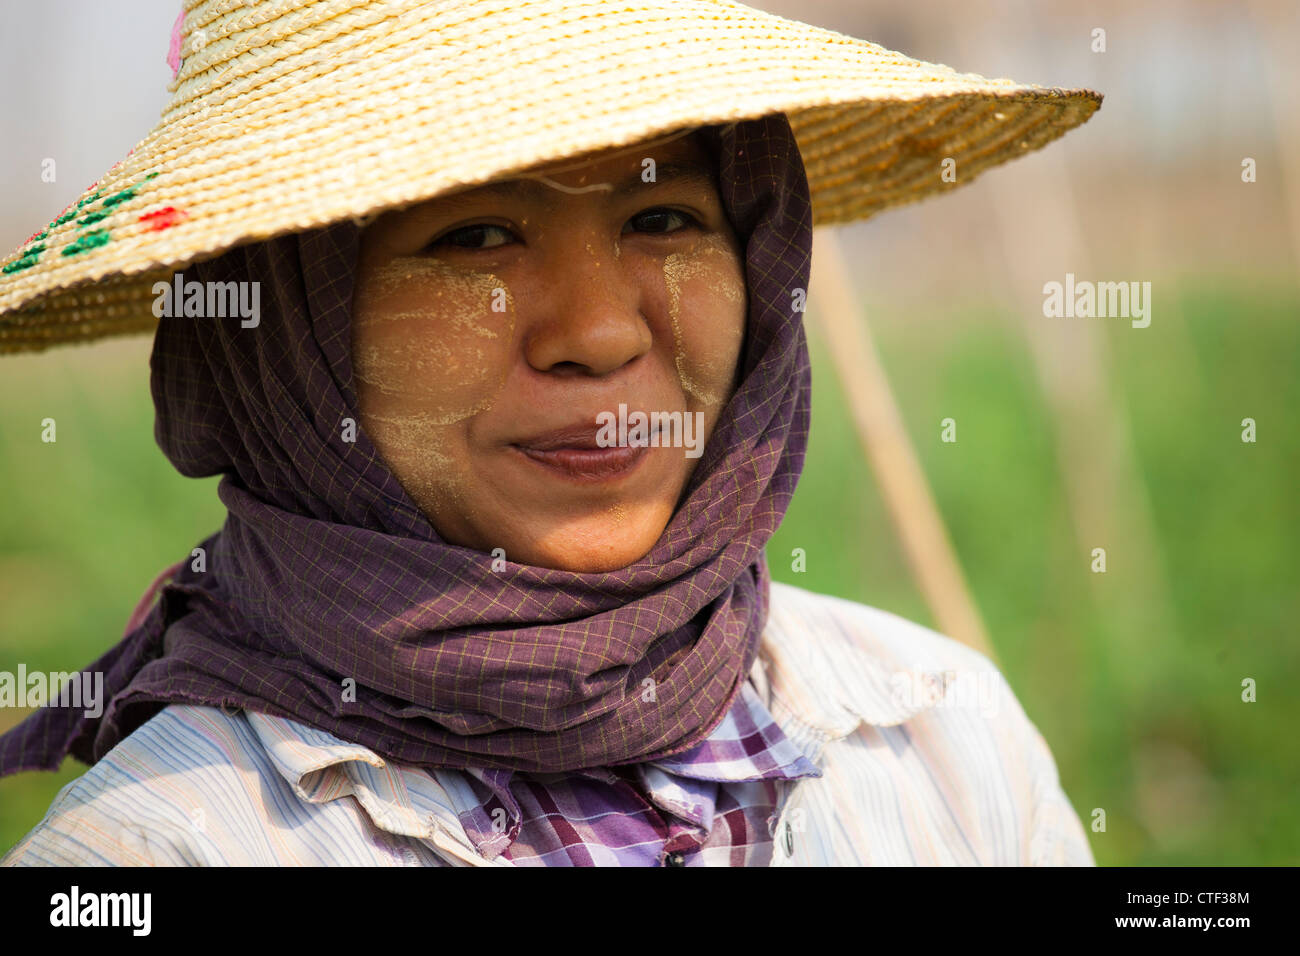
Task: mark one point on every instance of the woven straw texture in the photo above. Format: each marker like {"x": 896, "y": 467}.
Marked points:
{"x": 292, "y": 114}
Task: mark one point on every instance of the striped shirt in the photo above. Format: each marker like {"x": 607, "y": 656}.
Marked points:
{"x": 882, "y": 743}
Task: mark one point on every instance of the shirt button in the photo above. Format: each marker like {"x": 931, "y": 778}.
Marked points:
{"x": 675, "y": 859}
{"x": 789, "y": 839}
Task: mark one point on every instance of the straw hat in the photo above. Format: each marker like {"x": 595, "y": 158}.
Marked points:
{"x": 293, "y": 114}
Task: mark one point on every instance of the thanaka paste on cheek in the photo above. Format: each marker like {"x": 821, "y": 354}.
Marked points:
{"x": 434, "y": 337}
{"x": 706, "y": 275}
{"x": 431, "y": 347}
{"x": 416, "y": 453}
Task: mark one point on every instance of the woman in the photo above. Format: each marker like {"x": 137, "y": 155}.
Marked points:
{"x": 467, "y": 606}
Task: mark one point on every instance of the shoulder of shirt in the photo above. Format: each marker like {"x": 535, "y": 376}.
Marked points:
{"x": 159, "y": 798}
{"x": 837, "y": 662}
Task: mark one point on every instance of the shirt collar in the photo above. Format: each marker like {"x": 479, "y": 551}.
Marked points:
{"x": 399, "y": 799}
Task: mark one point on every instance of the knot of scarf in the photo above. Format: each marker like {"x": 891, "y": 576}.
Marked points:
{"x": 328, "y": 597}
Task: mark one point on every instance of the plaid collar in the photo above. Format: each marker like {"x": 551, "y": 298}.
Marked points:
{"x": 748, "y": 745}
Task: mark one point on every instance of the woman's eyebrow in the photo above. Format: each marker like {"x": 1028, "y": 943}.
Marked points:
{"x": 548, "y": 194}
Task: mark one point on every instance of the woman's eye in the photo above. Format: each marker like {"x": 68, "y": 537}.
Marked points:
{"x": 477, "y": 237}
{"x": 655, "y": 217}
{"x": 471, "y": 237}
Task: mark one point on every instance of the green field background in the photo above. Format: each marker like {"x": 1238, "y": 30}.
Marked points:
{"x": 1137, "y": 689}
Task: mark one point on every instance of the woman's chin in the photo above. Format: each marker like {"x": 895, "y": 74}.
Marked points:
{"x": 591, "y": 544}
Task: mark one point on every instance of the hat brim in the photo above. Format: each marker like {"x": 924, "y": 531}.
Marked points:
{"x": 335, "y": 111}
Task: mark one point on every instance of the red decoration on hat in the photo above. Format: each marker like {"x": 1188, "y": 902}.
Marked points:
{"x": 164, "y": 218}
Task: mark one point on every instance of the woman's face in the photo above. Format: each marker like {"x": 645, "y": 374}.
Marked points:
{"x": 496, "y": 330}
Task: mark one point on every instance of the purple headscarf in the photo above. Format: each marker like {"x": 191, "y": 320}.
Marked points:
{"x": 329, "y": 598}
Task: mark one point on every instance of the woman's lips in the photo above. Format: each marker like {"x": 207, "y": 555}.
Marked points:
{"x": 586, "y": 464}
{"x": 573, "y": 453}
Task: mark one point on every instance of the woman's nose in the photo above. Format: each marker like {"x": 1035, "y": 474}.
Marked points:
{"x": 589, "y": 314}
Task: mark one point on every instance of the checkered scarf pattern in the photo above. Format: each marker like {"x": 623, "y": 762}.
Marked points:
{"x": 329, "y": 598}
